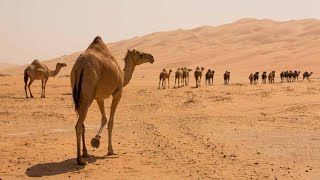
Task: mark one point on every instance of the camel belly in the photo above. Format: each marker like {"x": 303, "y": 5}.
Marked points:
{"x": 108, "y": 86}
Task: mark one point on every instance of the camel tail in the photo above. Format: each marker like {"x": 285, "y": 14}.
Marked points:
{"x": 77, "y": 91}
{"x": 25, "y": 76}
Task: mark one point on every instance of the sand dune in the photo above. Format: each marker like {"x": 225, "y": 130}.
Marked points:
{"x": 243, "y": 46}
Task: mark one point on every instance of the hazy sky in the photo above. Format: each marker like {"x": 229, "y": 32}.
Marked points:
{"x": 46, "y": 29}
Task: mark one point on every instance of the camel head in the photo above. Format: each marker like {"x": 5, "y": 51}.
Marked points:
{"x": 202, "y": 68}
{"x": 140, "y": 57}
{"x": 61, "y": 65}
{"x": 189, "y": 70}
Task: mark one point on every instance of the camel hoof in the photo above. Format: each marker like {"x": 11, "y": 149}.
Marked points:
{"x": 81, "y": 162}
{"x": 111, "y": 153}
{"x": 95, "y": 142}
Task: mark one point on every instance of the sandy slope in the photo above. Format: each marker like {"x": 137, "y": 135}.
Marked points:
{"x": 237, "y": 131}
{"x": 244, "y": 46}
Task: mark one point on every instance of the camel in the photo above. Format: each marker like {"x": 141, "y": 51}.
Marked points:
{"x": 296, "y": 75}
{"x": 163, "y": 76}
{"x": 307, "y": 75}
{"x": 282, "y": 74}
{"x": 290, "y": 76}
{"x": 264, "y": 77}
{"x": 251, "y": 78}
{"x": 178, "y": 76}
{"x": 256, "y": 77}
{"x": 271, "y": 77}
{"x": 198, "y": 75}
{"x": 209, "y": 77}
{"x": 38, "y": 71}
{"x": 226, "y": 77}
{"x": 96, "y": 75}
{"x": 185, "y": 76}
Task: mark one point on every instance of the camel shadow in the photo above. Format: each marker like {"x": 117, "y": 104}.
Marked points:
{"x": 55, "y": 168}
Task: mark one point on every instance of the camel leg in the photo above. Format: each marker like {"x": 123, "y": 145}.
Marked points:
{"x": 31, "y": 81}
{"x": 25, "y": 88}
{"x": 114, "y": 104}
{"x": 95, "y": 142}
{"x": 80, "y": 130}
{"x": 163, "y": 83}
{"x": 175, "y": 81}
{"x": 84, "y": 150}
{"x": 159, "y": 83}
{"x": 42, "y": 88}
{"x": 168, "y": 83}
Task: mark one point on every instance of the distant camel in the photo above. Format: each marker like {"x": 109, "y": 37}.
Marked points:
{"x": 256, "y": 77}
{"x": 296, "y": 75}
{"x": 307, "y": 75}
{"x": 185, "y": 76}
{"x": 198, "y": 75}
{"x": 39, "y": 71}
{"x": 264, "y": 77}
{"x": 282, "y": 76}
{"x": 290, "y": 76}
{"x": 178, "y": 76}
{"x": 96, "y": 75}
{"x": 164, "y": 75}
{"x": 251, "y": 78}
{"x": 209, "y": 77}
{"x": 226, "y": 77}
{"x": 271, "y": 77}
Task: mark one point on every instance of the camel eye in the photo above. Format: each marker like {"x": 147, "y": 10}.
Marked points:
{"x": 141, "y": 55}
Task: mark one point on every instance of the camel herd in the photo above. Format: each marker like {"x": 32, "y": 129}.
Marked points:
{"x": 182, "y": 77}
{"x": 285, "y": 76}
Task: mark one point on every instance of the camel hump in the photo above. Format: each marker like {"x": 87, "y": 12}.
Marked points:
{"x": 97, "y": 39}
{"x": 35, "y": 62}
{"x": 38, "y": 65}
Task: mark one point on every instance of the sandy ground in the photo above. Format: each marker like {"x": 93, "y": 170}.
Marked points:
{"x": 229, "y": 132}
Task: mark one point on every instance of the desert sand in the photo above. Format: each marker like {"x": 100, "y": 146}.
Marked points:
{"x": 239, "y": 131}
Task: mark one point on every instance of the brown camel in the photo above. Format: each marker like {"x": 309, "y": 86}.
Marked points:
{"x": 96, "y": 75}
{"x": 198, "y": 75}
{"x": 164, "y": 75}
{"x": 307, "y": 75}
{"x": 226, "y": 77}
{"x": 178, "y": 76}
{"x": 185, "y": 76}
{"x": 255, "y": 78}
{"x": 38, "y": 71}
{"x": 271, "y": 77}
{"x": 264, "y": 77}
{"x": 209, "y": 77}
{"x": 251, "y": 78}
{"x": 296, "y": 75}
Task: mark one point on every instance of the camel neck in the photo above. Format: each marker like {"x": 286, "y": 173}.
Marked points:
{"x": 128, "y": 69}
{"x": 55, "y": 72}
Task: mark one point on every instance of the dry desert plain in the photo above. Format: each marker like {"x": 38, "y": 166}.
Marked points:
{"x": 239, "y": 131}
